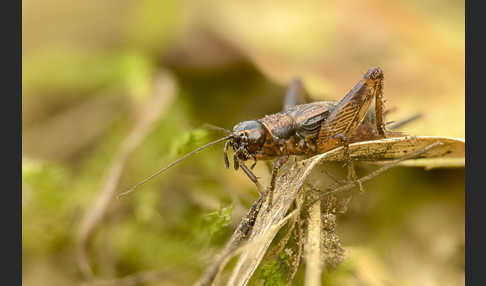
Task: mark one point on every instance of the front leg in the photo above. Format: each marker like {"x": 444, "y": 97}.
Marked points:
{"x": 250, "y": 175}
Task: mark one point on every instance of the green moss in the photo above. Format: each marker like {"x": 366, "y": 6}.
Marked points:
{"x": 214, "y": 222}
{"x": 275, "y": 272}
{"x": 46, "y": 211}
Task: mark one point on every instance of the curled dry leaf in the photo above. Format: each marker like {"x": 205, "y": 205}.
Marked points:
{"x": 294, "y": 176}
{"x": 449, "y": 154}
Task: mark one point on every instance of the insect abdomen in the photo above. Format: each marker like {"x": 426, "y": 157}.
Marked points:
{"x": 295, "y": 131}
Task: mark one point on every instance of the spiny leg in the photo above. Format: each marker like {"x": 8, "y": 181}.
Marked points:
{"x": 349, "y": 161}
{"x": 351, "y": 111}
{"x": 252, "y": 176}
{"x": 276, "y": 166}
{"x": 379, "y": 107}
{"x": 225, "y": 153}
{"x": 254, "y": 162}
{"x": 238, "y": 163}
{"x": 343, "y": 120}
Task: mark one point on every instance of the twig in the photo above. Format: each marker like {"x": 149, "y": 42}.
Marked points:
{"x": 164, "y": 92}
{"x": 259, "y": 242}
{"x": 312, "y": 248}
{"x": 291, "y": 182}
{"x": 300, "y": 246}
{"x": 375, "y": 173}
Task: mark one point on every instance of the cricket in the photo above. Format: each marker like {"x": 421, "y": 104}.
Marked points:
{"x": 304, "y": 128}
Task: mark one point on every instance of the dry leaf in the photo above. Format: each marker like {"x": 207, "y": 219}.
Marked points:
{"x": 293, "y": 178}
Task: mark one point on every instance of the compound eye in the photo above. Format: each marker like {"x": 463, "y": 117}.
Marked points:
{"x": 255, "y": 136}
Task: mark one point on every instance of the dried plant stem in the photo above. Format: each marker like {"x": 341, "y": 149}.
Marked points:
{"x": 312, "y": 248}
{"x": 259, "y": 242}
{"x": 238, "y": 247}
{"x": 269, "y": 220}
{"x": 299, "y": 233}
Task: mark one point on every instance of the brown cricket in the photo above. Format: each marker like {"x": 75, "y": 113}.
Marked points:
{"x": 304, "y": 128}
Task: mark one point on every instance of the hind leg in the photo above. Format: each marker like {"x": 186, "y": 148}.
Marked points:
{"x": 296, "y": 94}
{"x": 379, "y": 107}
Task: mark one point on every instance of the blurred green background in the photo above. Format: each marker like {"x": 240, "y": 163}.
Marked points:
{"x": 114, "y": 90}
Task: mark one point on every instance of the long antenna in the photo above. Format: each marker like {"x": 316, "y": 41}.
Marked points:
{"x": 172, "y": 164}
{"x": 217, "y": 128}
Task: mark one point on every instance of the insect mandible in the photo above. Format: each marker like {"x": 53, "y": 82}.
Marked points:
{"x": 305, "y": 128}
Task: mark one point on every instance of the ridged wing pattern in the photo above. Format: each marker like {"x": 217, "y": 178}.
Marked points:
{"x": 304, "y": 119}
{"x": 348, "y": 113}
{"x": 309, "y": 117}
{"x": 341, "y": 122}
